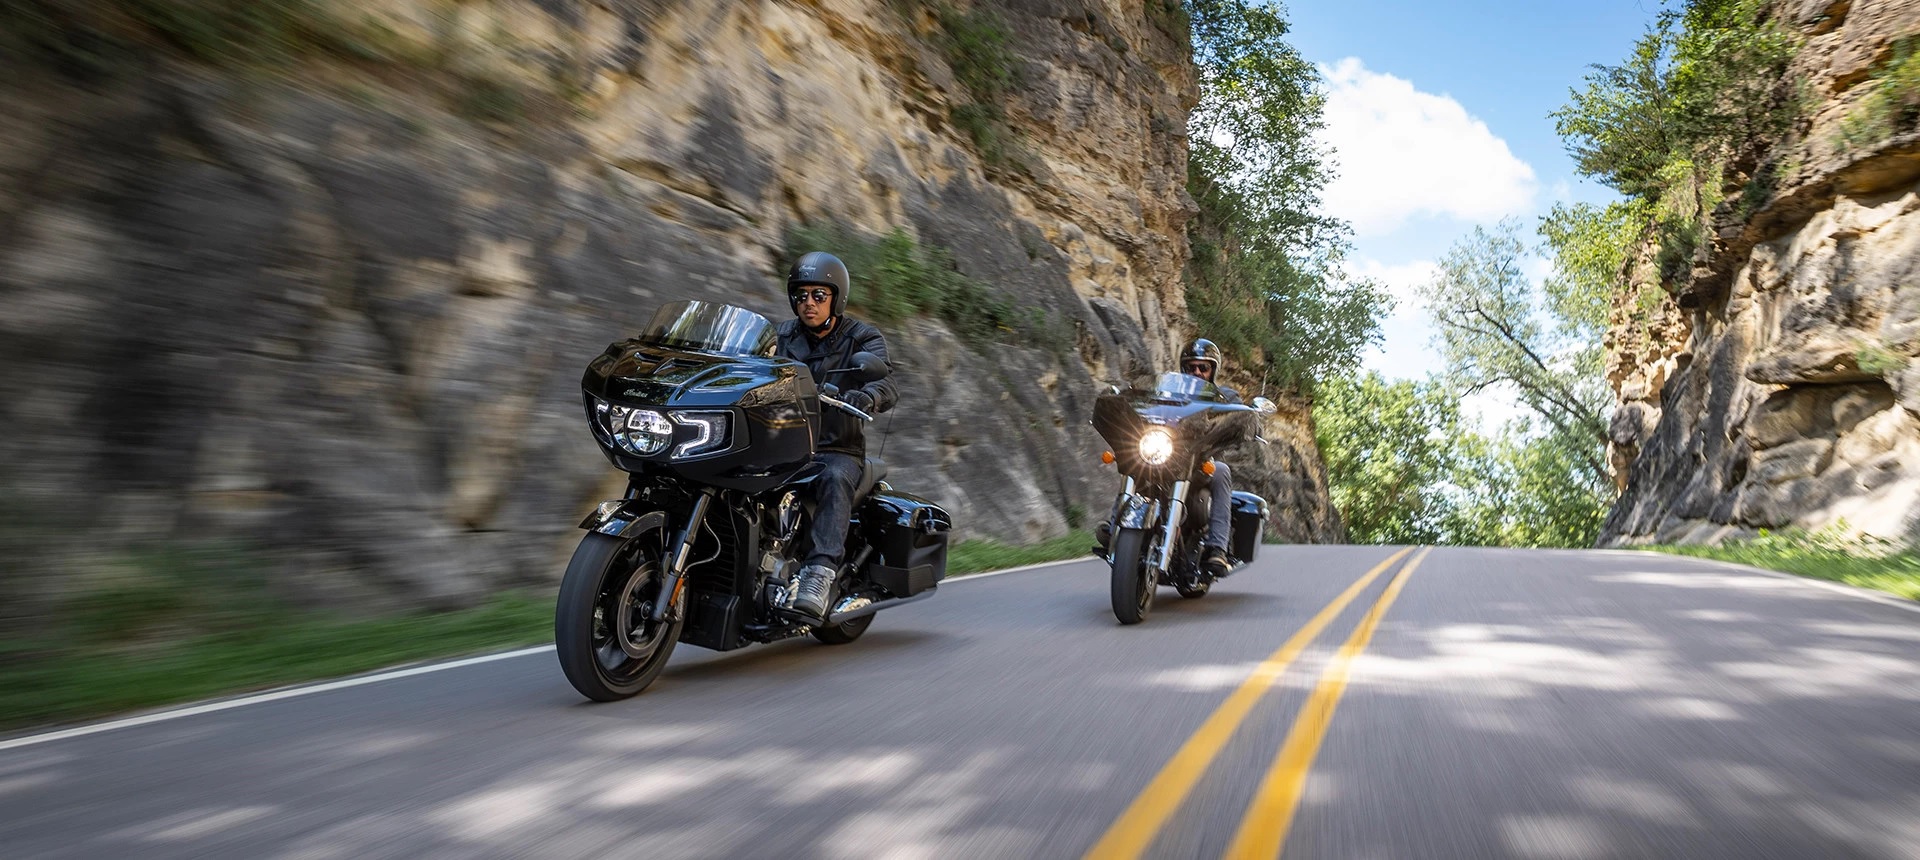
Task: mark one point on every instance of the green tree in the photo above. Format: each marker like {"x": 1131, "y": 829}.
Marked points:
{"x": 1390, "y": 451}
{"x": 1266, "y": 278}
{"x": 1523, "y": 488}
{"x": 1491, "y": 332}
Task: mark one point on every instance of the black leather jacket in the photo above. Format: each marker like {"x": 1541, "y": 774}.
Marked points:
{"x": 839, "y": 431}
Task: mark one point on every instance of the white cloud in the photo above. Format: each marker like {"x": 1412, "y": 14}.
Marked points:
{"x": 1406, "y": 349}
{"x": 1402, "y": 152}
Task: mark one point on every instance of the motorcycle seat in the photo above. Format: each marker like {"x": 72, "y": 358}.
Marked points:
{"x": 872, "y": 471}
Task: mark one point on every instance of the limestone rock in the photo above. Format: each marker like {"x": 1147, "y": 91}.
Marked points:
{"x": 346, "y": 322}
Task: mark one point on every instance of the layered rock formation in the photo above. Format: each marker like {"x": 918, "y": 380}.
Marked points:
{"x": 338, "y": 308}
{"x": 1778, "y": 386}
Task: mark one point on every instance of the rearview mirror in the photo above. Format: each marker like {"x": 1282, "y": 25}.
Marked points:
{"x": 871, "y": 367}
{"x": 1264, "y": 406}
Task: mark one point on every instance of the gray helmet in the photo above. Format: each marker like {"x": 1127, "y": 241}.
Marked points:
{"x": 819, "y": 268}
{"x": 1202, "y": 350}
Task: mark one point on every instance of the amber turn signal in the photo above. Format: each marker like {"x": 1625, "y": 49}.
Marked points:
{"x": 1207, "y": 467}
{"x": 1106, "y": 456}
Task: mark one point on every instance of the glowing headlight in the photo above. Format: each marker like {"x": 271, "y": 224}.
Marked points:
{"x": 709, "y": 432}
{"x": 1156, "y": 445}
{"x": 638, "y": 431}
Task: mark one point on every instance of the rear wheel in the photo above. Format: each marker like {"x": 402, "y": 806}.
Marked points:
{"x": 1133, "y": 581}
{"x": 608, "y": 644}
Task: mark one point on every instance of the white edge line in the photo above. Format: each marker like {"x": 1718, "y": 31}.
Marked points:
{"x": 258, "y": 698}
{"x": 362, "y": 680}
{"x": 1827, "y": 584}
{"x": 1021, "y": 569}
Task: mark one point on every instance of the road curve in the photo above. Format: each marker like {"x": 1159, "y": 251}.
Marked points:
{"x": 1469, "y": 703}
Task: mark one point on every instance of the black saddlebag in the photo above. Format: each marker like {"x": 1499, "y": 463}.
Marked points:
{"x": 909, "y": 537}
{"x": 1249, "y": 519}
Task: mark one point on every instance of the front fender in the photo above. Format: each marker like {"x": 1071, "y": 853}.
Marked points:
{"x": 623, "y": 518}
{"x": 1137, "y": 512}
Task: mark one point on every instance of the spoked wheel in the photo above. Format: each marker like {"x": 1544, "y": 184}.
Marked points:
{"x": 608, "y": 645}
{"x": 1133, "y": 581}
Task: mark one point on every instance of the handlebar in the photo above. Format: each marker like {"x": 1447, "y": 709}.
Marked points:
{"x": 845, "y": 407}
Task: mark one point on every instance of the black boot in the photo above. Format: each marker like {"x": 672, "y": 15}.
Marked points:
{"x": 1215, "y": 560}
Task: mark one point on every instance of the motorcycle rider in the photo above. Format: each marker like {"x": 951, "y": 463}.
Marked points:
{"x": 824, "y": 338}
{"x": 1202, "y": 359}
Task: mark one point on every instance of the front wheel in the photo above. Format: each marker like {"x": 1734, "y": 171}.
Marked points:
{"x": 609, "y": 647}
{"x": 1133, "y": 581}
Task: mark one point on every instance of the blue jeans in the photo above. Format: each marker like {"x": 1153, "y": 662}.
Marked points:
{"x": 833, "y": 494}
{"x": 1220, "y": 516}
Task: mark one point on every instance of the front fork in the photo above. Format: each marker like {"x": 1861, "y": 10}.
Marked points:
{"x": 1169, "y": 531}
{"x": 682, "y": 551}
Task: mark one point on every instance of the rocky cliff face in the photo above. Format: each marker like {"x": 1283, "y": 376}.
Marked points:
{"x": 339, "y": 308}
{"x": 1778, "y": 387}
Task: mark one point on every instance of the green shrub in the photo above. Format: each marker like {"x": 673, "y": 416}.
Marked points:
{"x": 1892, "y": 103}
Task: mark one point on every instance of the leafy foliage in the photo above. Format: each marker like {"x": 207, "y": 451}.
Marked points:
{"x": 1892, "y": 103}
{"x": 1390, "y": 449}
{"x": 1701, "y": 85}
{"x": 1528, "y": 489}
{"x": 1406, "y": 467}
{"x": 975, "y": 44}
{"x": 1265, "y": 279}
{"x": 1491, "y": 334}
{"x": 1703, "y": 89}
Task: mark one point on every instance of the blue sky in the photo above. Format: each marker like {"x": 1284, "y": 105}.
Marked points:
{"x": 1438, "y": 114}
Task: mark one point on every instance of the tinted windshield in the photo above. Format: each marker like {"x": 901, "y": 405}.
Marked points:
{"x": 710, "y": 327}
{"x": 1177, "y": 386}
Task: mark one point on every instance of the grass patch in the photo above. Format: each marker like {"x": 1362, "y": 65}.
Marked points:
{"x": 176, "y": 625}
{"x": 1827, "y": 554}
{"x": 90, "y": 676}
{"x": 981, "y": 555}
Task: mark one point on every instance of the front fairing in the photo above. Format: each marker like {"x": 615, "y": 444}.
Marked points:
{"x": 773, "y": 403}
{"x": 1199, "y": 419}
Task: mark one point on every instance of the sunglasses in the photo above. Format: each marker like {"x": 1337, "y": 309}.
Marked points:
{"x": 798, "y": 296}
{"x": 1200, "y": 368}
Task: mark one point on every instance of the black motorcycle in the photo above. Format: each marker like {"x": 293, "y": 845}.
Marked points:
{"x": 716, "y": 435}
{"x": 1162, "y": 432}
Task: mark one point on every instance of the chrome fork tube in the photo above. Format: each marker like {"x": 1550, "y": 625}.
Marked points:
{"x": 1176, "y": 511}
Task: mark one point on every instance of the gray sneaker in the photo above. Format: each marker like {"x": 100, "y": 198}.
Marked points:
{"x": 813, "y": 590}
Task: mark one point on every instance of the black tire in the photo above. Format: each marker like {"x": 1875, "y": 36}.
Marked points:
{"x": 608, "y": 578}
{"x": 1133, "y": 582}
{"x": 841, "y": 634}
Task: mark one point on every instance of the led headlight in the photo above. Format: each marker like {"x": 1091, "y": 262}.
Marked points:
{"x": 637, "y": 431}
{"x": 709, "y": 432}
{"x": 1156, "y": 445}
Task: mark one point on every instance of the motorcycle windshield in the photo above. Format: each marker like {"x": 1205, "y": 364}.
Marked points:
{"x": 711, "y": 327}
{"x": 1177, "y": 386}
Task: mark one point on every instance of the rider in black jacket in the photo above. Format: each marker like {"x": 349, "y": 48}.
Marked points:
{"x": 825, "y": 339}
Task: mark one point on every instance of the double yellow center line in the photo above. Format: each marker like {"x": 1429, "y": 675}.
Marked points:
{"x": 1264, "y": 829}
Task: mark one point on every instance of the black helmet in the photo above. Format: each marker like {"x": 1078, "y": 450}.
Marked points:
{"x": 823, "y": 269}
{"x": 1202, "y": 350}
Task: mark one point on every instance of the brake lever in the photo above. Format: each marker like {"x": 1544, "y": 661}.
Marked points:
{"x": 848, "y": 407}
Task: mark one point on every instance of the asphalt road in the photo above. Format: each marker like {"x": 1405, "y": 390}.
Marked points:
{"x": 1490, "y": 703}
